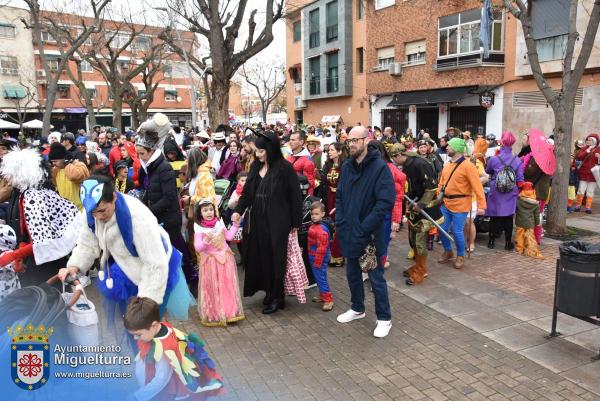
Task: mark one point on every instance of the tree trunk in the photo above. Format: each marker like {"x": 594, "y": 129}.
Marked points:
{"x": 218, "y": 109}
{"x": 50, "y": 98}
{"x": 135, "y": 122}
{"x": 264, "y": 108}
{"x": 90, "y": 110}
{"x": 117, "y": 109}
{"x": 557, "y": 212}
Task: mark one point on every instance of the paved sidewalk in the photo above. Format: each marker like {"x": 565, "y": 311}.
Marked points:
{"x": 438, "y": 348}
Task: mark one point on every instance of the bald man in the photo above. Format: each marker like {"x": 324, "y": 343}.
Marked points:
{"x": 364, "y": 196}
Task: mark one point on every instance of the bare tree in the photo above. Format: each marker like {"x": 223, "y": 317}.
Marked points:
{"x": 26, "y": 103}
{"x": 268, "y": 82}
{"x": 140, "y": 101}
{"x": 84, "y": 94}
{"x": 219, "y": 21}
{"x": 120, "y": 57}
{"x": 41, "y": 21}
{"x": 562, "y": 101}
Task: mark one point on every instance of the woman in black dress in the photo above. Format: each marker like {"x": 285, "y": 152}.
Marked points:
{"x": 273, "y": 206}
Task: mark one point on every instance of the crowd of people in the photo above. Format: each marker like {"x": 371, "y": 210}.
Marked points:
{"x": 156, "y": 214}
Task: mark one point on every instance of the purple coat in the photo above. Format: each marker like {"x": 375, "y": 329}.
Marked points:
{"x": 503, "y": 203}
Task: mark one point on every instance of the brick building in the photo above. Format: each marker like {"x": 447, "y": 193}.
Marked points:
{"x": 524, "y": 104}
{"x": 325, "y": 42}
{"x": 425, "y": 69}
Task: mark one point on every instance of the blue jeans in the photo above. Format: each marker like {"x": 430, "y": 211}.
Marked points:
{"x": 357, "y": 289}
{"x": 456, "y": 223}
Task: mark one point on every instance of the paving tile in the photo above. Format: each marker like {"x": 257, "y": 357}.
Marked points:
{"x": 459, "y": 306}
{"x": 498, "y": 297}
{"x": 519, "y": 336}
{"x": 528, "y": 310}
{"x": 565, "y": 324}
{"x": 588, "y": 339}
{"x": 485, "y": 321}
{"x": 587, "y": 376}
{"x": 558, "y": 355}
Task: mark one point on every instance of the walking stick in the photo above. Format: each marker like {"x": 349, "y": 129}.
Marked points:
{"x": 428, "y": 217}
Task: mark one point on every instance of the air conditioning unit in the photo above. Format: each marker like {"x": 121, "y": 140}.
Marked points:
{"x": 40, "y": 73}
{"x": 395, "y": 69}
{"x": 298, "y": 87}
{"x": 299, "y": 103}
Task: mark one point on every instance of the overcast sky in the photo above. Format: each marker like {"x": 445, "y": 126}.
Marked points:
{"x": 144, "y": 9}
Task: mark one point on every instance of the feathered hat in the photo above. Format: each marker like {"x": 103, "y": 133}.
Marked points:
{"x": 160, "y": 124}
{"x": 23, "y": 169}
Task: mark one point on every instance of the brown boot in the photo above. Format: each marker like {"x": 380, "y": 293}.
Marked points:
{"x": 406, "y": 273}
{"x": 459, "y": 262}
{"x": 317, "y": 299}
{"x": 420, "y": 272}
{"x": 447, "y": 256}
{"x": 327, "y": 306}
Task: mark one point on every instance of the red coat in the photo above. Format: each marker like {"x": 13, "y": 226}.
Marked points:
{"x": 303, "y": 165}
{"x": 585, "y": 171}
{"x": 399, "y": 185}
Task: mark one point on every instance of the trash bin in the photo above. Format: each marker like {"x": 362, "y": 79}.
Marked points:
{"x": 578, "y": 282}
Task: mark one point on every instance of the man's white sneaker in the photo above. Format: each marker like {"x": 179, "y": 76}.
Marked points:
{"x": 349, "y": 316}
{"x": 383, "y": 328}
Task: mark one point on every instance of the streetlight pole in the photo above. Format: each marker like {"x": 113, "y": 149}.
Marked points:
{"x": 187, "y": 62}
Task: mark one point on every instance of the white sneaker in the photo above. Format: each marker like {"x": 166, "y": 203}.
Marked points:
{"x": 383, "y": 328}
{"x": 349, "y": 316}
{"x": 365, "y": 276}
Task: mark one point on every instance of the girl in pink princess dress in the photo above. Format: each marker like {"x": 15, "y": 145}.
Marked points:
{"x": 219, "y": 299}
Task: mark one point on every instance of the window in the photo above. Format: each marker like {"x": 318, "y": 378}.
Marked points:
{"x": 459, "y": 33}
{"x": 379, "y": 4}
{"x": 315, "y": 75}
{"x": 415, "y": 52}
{"x": 297, "y": 27}
{"x": 313, "y": 27}
{"x": 332, "y": 21}
{"x": 385, "y": 56}
{"x": 496, "y": 34}
{"x": 550, "y": 23}
{"x": 9, "y": 65}
{"x": 47, "y": 37}
{"x": 332, "y": 72}
{"x": 117, "y": 40}
{"x": 142, "y": 93}
{"x": 7, "y": 30}
{"x": 123, "y": 67}
{"x": 360, "y": 9}
{"x": 88, "y": 41}
{"x": 360, "y": 60}
{"x": 91, "y": 92}
{"x": 167, "y": 70}
{"x": 296, "y": 77}
{"x": 63, "y": 91}
{"x": 53, "y": 64}
{"x": 86, "y": 66}
{"x": 552, "y": 48}
{"x": 142, "y": 43}
{"x": 171, "y": 95}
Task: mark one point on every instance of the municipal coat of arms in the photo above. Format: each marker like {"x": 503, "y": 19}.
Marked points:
{"x": 30, "y": 356}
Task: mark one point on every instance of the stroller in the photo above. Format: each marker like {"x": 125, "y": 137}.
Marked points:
{"x": 223, "y": 190}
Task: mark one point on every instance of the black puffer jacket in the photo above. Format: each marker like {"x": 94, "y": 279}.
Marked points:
{"x": 160, "y": 183}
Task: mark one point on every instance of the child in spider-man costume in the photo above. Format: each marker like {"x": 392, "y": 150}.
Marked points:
{"x": 319, "y": 237}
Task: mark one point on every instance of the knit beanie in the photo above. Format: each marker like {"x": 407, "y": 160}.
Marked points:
{"x": 57, "y": 152}
{"x": 508, "y": 139}
{"x": 459, "y": 145}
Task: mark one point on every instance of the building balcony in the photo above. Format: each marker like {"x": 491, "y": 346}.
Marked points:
{"x": 469, "y": 61}
{"x": 315, "y": 86}
{"x": 333, "y": 84}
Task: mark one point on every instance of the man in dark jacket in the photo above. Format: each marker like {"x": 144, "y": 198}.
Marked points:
{"x": 364, "y": 196}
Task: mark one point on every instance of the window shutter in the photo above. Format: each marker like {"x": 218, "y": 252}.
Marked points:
{"x": 385, "y": 52}
{"x": 414, "y": 47}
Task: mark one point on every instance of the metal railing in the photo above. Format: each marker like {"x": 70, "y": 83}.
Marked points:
{"x": 333, "y": 84}
{"x": 313, "y": 39}
{"x": 315, "y": 86}
{"x": 332, "y": 32}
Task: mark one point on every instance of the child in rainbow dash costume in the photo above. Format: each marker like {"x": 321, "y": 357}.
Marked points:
{"x": 170, "y": 365}
{"x": 137, "y": 256}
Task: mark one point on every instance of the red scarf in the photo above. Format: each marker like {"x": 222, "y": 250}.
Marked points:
{"x": 209, "y": 223}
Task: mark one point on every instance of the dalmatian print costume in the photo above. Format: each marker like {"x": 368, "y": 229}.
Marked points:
{"x": 52, "y": 222}
{"x": 9, "y": 280}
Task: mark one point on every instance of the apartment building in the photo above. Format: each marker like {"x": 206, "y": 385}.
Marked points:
{"x": 18, "y": 92}
{"x": 524, "y": 104}
{"x": 325, "y": 42}
{"x": 426, "y": 71}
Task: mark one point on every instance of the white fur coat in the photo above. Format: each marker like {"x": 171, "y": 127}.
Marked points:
{"x": 149, "y": 270}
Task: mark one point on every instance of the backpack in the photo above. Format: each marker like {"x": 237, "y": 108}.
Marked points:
{"x": 506, "y": 178}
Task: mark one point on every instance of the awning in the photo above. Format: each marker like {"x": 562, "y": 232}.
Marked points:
{"x": 35, "y": 124}
{"x": 330, "y": 119}
{"x": 171, "y": 92}
{"x": 435, "y": 96}
{"x": 14, "y": 91}
{"x": 8, "y": 125}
